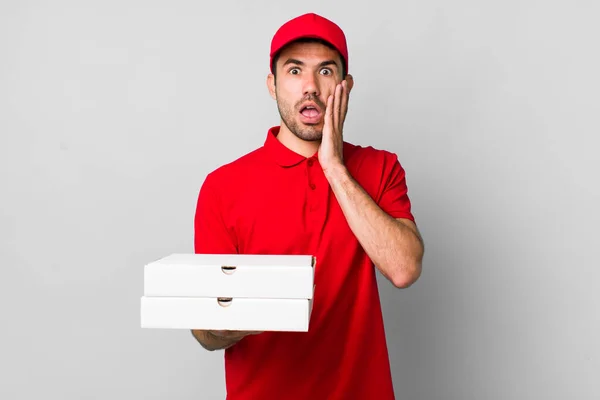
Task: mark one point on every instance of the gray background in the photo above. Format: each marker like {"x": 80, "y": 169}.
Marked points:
{"x": 113, "y": 112}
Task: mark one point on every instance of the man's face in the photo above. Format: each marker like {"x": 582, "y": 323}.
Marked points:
{"x": 307, "y": 73}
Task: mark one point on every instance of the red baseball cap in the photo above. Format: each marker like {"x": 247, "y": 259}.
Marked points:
{"x": 310, "y": 26}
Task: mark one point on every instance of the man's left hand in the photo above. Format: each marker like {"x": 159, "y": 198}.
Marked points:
{"x": 331, "y": 151}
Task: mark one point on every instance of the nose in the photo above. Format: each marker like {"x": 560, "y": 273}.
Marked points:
{"x": 311, "y": 85}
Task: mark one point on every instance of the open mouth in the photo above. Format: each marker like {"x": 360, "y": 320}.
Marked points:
{"x": 310, "y": 113}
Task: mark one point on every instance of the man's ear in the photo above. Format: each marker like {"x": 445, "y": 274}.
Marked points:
{"x": 271, "y": 86}
{"x": 350, "y": 82}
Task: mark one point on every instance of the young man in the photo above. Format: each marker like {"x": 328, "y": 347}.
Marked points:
{"x": 307, "y": 191}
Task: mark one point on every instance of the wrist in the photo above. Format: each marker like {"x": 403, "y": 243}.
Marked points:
{"x": 336, "y": 173}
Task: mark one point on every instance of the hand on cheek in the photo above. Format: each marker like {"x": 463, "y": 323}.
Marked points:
{"x": 331, "y": 149}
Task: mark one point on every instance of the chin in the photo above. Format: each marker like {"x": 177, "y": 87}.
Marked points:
{"x": 310, "y": 136}
{"x": 316, "y": 138}
{"x": 306, "y": 132}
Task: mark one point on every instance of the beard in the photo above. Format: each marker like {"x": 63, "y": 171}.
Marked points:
{"x": 289, "y": 115}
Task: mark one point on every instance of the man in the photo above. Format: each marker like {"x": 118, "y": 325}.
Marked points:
{"x": 307, "y": 191}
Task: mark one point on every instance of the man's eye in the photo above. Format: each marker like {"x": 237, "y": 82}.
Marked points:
{"x": 294, "y": 71}
{"x": 326, "y": 71}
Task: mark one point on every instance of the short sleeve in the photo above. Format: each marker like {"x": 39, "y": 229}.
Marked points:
{"x": 211, "y": 235}
{"x": 394, "y": 194}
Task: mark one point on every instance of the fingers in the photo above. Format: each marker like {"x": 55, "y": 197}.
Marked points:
{"x": 226, "y": 334}
{"x": 234, "y": 334}
{"x": 329, "y": 112}
{"x": 337, "y": 105}
{"x": 344, "y": 106}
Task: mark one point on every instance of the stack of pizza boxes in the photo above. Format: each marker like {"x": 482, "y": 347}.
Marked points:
{"x": 229, "y": 292}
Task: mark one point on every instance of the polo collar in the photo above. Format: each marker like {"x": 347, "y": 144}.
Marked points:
{"x": 279, "y": 152}
{"x": 286, "y": 157}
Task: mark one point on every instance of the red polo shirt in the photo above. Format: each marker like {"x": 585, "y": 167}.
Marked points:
{"x": 275, "y": 201}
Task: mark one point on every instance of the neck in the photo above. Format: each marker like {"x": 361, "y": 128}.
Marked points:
{"x": 297, "y": 145}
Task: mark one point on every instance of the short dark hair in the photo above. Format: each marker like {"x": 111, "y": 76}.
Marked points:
{"x": 308, "y": 40}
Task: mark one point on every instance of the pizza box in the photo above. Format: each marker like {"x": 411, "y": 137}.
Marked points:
{"x": 226, "y": 313}
{"x": 231, "y": 275}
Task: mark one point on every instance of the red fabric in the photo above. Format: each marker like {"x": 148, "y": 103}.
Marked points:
{"x": 274, "y": 201}
{"x": 309, "y": 26}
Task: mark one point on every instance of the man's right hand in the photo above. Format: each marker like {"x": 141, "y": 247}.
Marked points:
{"x": 221, "y": 339}
{"x": 234, "y": 335}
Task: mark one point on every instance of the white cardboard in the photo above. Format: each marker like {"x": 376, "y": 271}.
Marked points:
{"x": 208, "y": 275}
{"x": 292, "y": 315}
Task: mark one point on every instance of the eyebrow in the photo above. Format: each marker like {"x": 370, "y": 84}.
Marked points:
{"x": 298, "y": 62}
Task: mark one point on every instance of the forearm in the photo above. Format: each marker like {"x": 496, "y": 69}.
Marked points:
{"x": 395, "y": 249}
{"x": 212, "y": 342}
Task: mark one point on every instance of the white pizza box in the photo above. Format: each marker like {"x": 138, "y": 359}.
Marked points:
{"x": 244, "y": 314}
{"x": 230, "y": 275}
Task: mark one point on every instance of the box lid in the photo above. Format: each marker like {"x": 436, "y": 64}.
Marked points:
{"x": 238, "y": 260}
{"x": 230, "y": 275}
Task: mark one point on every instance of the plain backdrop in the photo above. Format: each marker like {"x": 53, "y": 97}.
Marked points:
{"x": 113, "y": 112}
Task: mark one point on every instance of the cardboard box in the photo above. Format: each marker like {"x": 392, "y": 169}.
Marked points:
{"x": 230, "y": 275}
{"x": 229, "y": 292}
{"x": 291, "y": 315}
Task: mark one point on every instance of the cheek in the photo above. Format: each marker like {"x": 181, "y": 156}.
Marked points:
{"x": 328, "y": 89}
{"x": 285, "y": 102}
{"x": 294, "y": 86}
{"x": 287, "y": 96}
